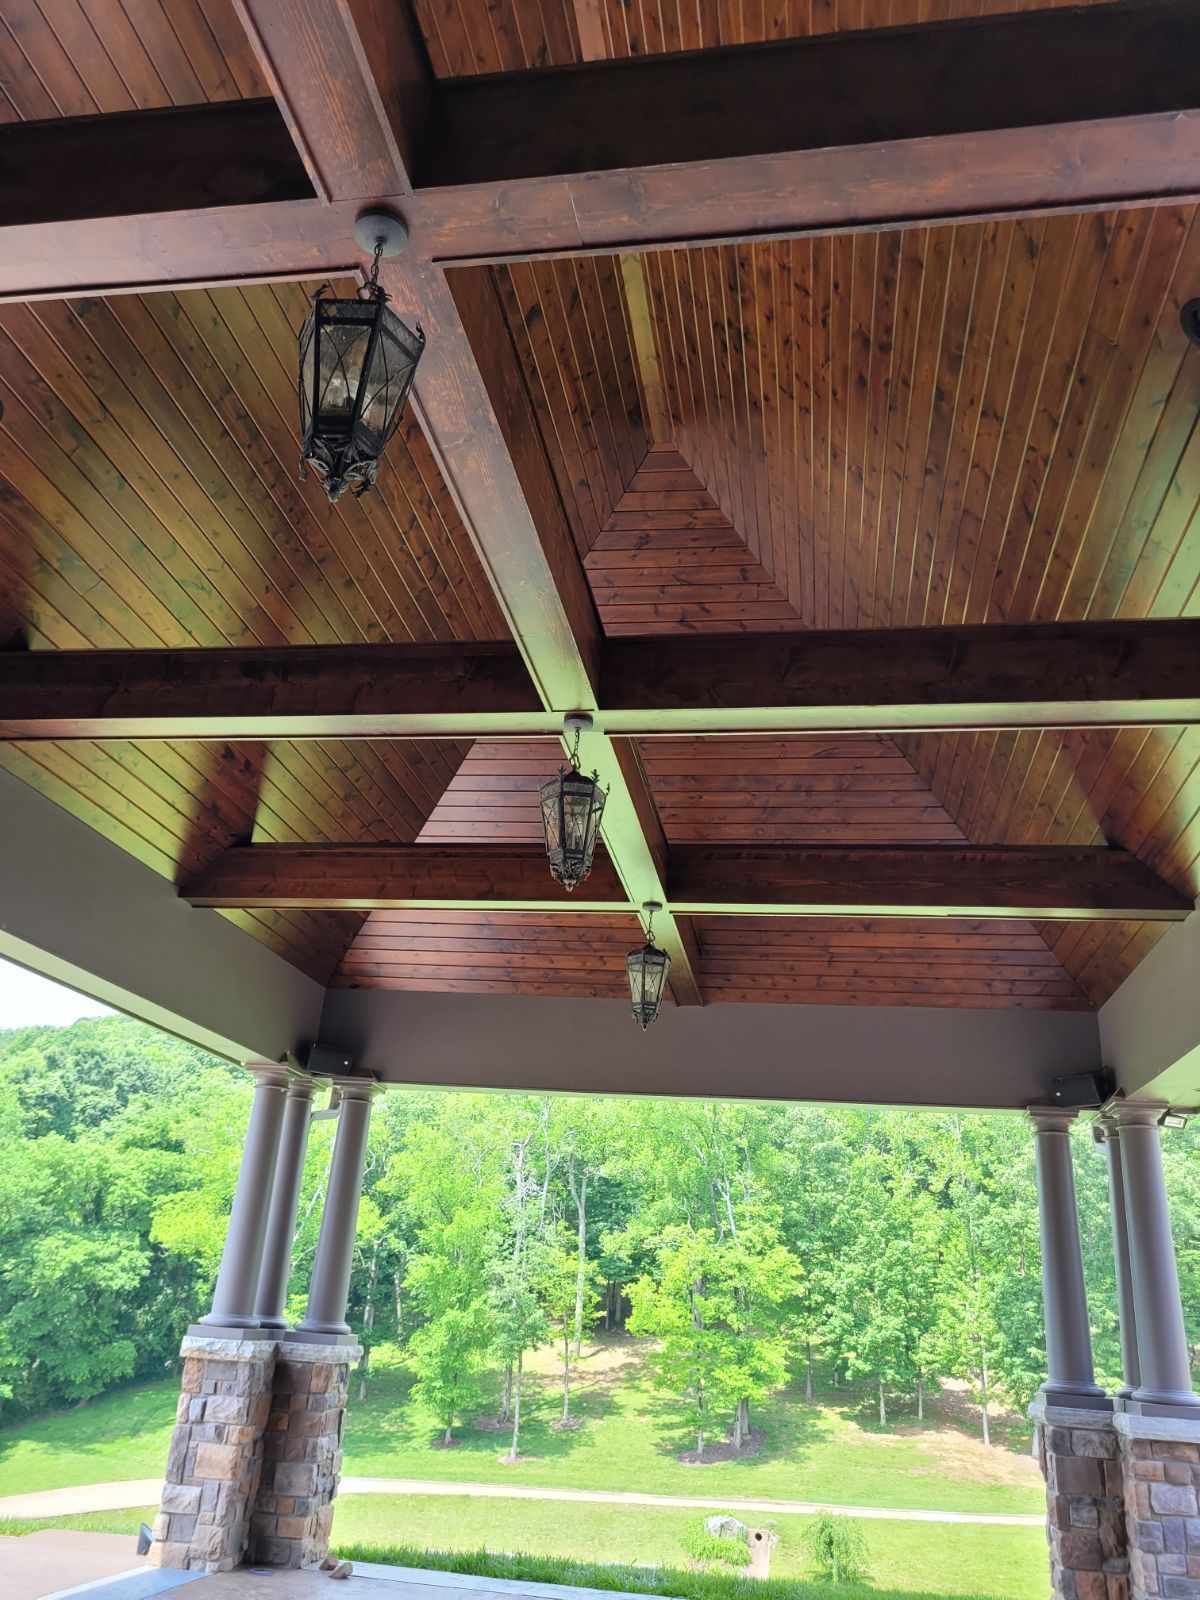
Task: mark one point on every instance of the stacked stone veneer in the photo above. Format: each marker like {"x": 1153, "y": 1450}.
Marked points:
{"x": 1086, "y": 1524}
{"x": 1160, "y": 1462}
{"x": 255, "y": 1456}
{"x": 302, "y": 1454}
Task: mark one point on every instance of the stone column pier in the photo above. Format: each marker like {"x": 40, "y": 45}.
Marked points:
{"x": 257, "y": 1449}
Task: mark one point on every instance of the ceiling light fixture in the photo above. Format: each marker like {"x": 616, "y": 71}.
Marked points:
{"x": 357, "y": 363}
{"x": 572, "y": 806}
{"x": 646, "y": 969}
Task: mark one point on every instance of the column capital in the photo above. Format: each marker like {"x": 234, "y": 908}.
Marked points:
{"x": 1051, "y": 1119}
{"x": 1134, "y": 1114}
{"x": 275, "y": 1074}
{"x": 363, "y": 1088}
{"x": 300, "y": 1085}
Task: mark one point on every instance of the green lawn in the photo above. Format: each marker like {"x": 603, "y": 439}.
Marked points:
{"x": 904, "y": 1558}
{"x": 629, "y": 1440}
{"x": 939, "y": 1558}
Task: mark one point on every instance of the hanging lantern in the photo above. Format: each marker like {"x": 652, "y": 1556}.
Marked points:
{"x": 646, "y": 969}
{"x": 572, "y": 806}
{"x": 357, "y": 362}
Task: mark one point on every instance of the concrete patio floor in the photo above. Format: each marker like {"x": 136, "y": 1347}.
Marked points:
{"x": 368, "y": 1582}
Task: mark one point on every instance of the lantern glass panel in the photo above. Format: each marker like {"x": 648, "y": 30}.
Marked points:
{"x": 647, "y": 970}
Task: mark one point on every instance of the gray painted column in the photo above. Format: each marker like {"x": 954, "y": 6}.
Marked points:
{"x": 285, "y": 1197}
{"x": 329, "y": 1286}
{"x": 1070, "y": 1377}
{"x": 1165, "y": 1384}
{"x": 241, "y": 1259}
{"x": 1125, "y": 1305}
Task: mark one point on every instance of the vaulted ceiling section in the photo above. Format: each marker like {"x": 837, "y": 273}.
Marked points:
{"x": 971, "y": 423}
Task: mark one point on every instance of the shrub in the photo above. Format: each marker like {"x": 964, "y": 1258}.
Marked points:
{"x": 704, "y": 1546}
{"x": 837, "y": 1548}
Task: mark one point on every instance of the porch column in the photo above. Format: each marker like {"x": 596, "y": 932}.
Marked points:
{"x": 241, "y": 1259}
{"x": 1127, "y": 1316}
{"x": 1165, "y": 1379}
{"x": 285, "y": 1196}
{"x": 1070, "y": 1377}
{"x": 329, "y": 1286}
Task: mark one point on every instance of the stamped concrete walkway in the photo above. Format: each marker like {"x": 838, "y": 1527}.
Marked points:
{"x": 145, "y": 1492}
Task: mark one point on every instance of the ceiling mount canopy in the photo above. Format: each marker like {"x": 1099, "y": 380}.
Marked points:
{"x": 357, "y": 364}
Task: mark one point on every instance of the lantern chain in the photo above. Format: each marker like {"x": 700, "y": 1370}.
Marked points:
{"x": 650, "y": 926}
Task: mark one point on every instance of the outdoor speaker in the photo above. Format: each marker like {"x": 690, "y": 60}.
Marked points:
{"x": 327, "y": 1061}
{"x": 1084, "y": 1088}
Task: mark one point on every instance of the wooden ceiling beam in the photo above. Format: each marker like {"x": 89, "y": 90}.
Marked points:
{"x": 880, "y": 680}
{"x": 1020, "y": 114}
{"x": 170, "y": 159}
{"x": 1004, "y": 675}
{"x": 297, "y": 692}
{"x": 1046, "y": 882}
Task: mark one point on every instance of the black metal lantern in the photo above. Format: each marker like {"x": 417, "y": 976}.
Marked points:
{"x": 357, "y": 362}
{"x": 572, "y": 806}
{"x": 647, "y": 968}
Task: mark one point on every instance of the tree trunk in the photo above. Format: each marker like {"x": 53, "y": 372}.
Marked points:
{"x": 581, "y": 1271}
{"x": 364, "y": 1361}
{"x": 882, "y": 1407}
{"x": 737, "y": 1426}
{"x": 920, "y": 1400}
{"x": 566, "y": 1416}
{"x": 506, "y": 1392}
{"x": 516, "y": 1433}
{"x": 448, "y": 1436}
{"x": 398, "y": 1290}
{"x": 983, "y": 1397}
{"x": 808, "y": 1384}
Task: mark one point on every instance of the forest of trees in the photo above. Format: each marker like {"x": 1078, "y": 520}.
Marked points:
{"x": 754, "y": 1246}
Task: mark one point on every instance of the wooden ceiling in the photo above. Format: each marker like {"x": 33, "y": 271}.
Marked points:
{"x": 509, "y": 35}
{"x": 73, "y": 58}
{"x": 967, "y": 423}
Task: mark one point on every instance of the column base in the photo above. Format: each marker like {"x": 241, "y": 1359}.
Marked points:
{"x": 1090, "y": 1398}
{"x": 1160, "y": 1465}
{"x": 1163, "y": 1403}
{"x": 320, "y": 1336}
{"x": 230, "y": 1330}
{"x": 1078, "y": 1453}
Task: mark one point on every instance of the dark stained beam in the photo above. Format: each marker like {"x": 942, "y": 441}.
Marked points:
{"x": 298, "y": 691}
{"x": 379, "y": 877}
{"x": 1045, "y": 881}
{"x": 177, "y": 158}
{"x": 1048, "y": 882}
{"x": 1114, "y": 65}
{"x": 1040, "y": 675}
